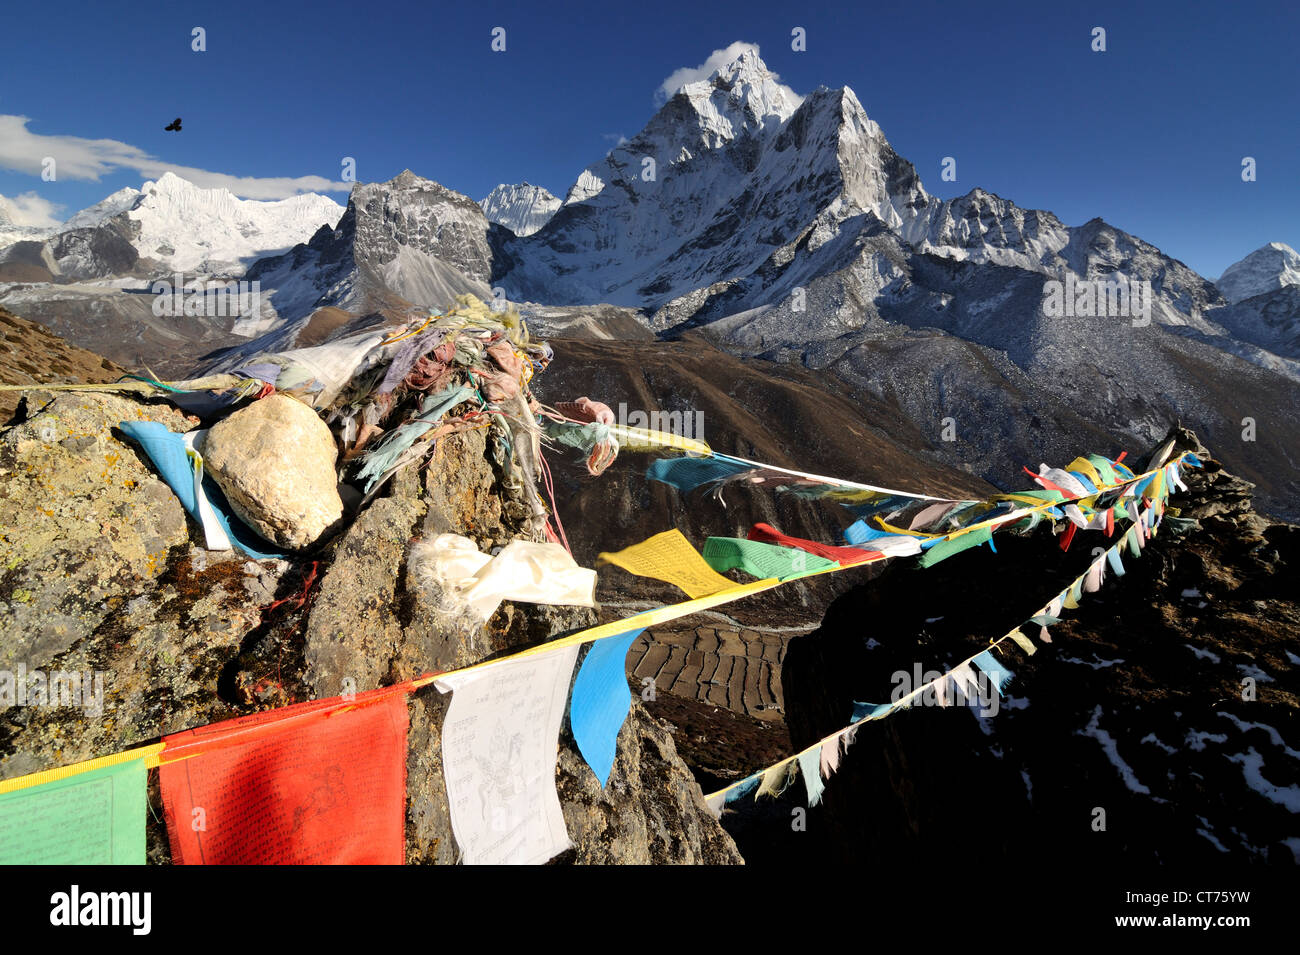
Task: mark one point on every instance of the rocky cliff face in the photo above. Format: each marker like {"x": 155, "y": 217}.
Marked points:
{"x": 1168, "y": 700}
{"x": 98, "y": 571}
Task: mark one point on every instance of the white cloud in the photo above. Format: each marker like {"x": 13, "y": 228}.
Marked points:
{"x": 31, "y": 211}
{"x": 716, "y": 61}
{"x": 79, "y": 158}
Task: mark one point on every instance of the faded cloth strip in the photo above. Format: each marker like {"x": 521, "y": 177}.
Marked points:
{"x": 600, "y": 702}
{"x": 91, "y": 818}
{"x": 761, "y": 560}
{"x": 385, "y": 454}
{"x": 322, "y": 782}
{"x": 671, "y": 558}
{"x": 499, "y": 742}
{"x": 410, "y": 352}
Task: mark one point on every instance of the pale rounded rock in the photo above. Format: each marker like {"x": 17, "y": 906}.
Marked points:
{"x": 274, "y": 460}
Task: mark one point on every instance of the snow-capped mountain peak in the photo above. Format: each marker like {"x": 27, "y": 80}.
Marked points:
{"x": 120, "y": 201}
{"x": 190, "y": 228}
{"x": 522, "y": 208}
{"x": 1268, "y": 268}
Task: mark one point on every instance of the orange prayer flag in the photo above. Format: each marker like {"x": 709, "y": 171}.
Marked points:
{"x": 322, "y": 782}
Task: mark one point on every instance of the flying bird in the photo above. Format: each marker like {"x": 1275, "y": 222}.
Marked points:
{"x": 174, "y": 126}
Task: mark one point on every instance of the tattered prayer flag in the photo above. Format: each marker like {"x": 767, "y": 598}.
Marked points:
{"x": 810, "y": 767}
{"x": 1092, "y": 579}
{"x": 943, "y": 690}
{"x": 761, "y": 560}
{"x": 322, "y": 782}
{"x": 830, "y": 757}
{"x": 967, "y": 683}
{"x": 742, "y": 789}
{"x": 869, "y": 711}
{"x": 1112, "y": 557}
{"x": 841, "y": 555}
{"x": 992, "y": 668}
{"x": 1105, "y": 470}
{"x": 499, "y": 742}
{"x": 777, "y": 778}
{"x": 91, "y": 818}
{"x": 716, "y": 803}
{"x": 1023, "y": 642}
{"x": 600, "y": 702}
{"x": 686, "y": 474}
{"x": 955, "y": 545}
{"x": 671, "y": 558}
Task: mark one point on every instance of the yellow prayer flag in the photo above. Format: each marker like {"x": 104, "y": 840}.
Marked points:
{"x": 1023, "y": 642}
{"x": 671, "y": 558}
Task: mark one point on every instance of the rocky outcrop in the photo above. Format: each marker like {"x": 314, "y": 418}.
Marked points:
{"x": 99, "y": 571}
{"x": 274, "y": 461}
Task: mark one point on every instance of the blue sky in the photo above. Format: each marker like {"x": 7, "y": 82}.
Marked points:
{"x": 1148, "y": 135}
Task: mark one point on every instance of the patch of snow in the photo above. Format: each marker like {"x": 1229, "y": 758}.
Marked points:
{"x": 1252, "y": 768}
{"x": 1152, "y": 738}
{"x": 1258, "y": 675}
{"x": 1111, "y": 749}
{"x": 1203, "y": 654}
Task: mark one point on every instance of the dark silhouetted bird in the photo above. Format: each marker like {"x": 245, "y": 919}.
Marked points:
{"x": 174, "y": 126}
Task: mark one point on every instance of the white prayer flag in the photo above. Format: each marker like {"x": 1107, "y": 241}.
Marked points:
{"x": 499, "y": 742}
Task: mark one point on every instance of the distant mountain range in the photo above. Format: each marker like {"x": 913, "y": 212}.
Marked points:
{"x": 763, "y": 224}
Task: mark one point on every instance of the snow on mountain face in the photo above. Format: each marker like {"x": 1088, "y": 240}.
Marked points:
{"x": 11, "y": 231}
{"x": 120, "y": 201}
{"x": 186, "y": 228}
{"x": 523, "y": 209}
{"x": 1266, "y": 269}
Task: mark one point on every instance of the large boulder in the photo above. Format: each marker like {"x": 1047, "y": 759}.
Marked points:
{"x": 274, "y": 460}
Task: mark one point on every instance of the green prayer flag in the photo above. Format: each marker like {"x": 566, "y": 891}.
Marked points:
{"x": 761, "y": 559}
{"x": 92, "y": 818}
{"x": 955, "y": 545}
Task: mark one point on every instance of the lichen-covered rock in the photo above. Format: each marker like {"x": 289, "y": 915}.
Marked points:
{"x": 99, "y": 575}
{"x": 274, "y": 461}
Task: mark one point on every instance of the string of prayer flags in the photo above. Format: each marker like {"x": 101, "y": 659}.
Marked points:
{"x": 670, "y": 557}
{"x": 92, "y": 817}
{"x": 499, "y": 743}
{"x": 761, "y": 560}
{"x": 322, "y": 782}
{"x": 840, "y": 555}
{"x": 600, "y": 703}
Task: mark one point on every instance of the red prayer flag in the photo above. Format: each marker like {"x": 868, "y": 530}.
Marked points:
{"x": 768, "y": 534}
{"x": 322, "y": 782}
